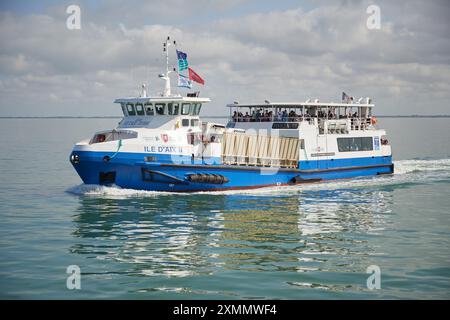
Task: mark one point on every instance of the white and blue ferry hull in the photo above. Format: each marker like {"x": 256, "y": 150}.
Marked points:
{"x": 128, "y": 170}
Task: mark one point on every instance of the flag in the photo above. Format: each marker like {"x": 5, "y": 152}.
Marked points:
{"x": 182, "y": 61}
{"x": 345, "y": 97}
{"x": 195, "y": 77}
{"x": 183, "y": 81}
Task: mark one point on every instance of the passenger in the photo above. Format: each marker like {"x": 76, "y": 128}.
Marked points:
{"x": 284, "y": 116}
{"x": 247, "y": 117}
{"x": 258, "y": 116}
{"x": 307, "y": 116}
{"x": 292, "y": 116}
{"x": 330, "y": 115}
{"x": 235, "y": 116}
{"x": 279, "y": 115}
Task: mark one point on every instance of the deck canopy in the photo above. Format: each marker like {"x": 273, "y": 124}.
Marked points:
{"x": 299, "y": 105}
{"x": 298, "y": 111}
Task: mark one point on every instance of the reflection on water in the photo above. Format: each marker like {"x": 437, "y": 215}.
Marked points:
{"x": 310, "y": 242}
{"x": 204, "y": 234}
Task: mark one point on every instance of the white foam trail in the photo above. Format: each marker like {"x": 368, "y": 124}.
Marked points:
{"x": 112, "y": 191}
{"x": 405, "y": 171}
{"x": 408, "y": 166}
{"x": 402, "y": 174}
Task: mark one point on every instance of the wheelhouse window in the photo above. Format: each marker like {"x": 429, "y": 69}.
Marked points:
{"x": 130, "y": 109}
{"x": 196, "y": 109}
{"x": 176, "y": 109}
{"x": 139, "y": 109}
{"x": 124, "y": 109}
{"x": 194, "y": 122}
{"x": 149, "y": 109}
{"x": 185, "y": 122}
{"x": 173, "y": 109}
{"x": 355, "y": 144}
{"x": 185, "y": 108}
{"x": 160, "y": 108}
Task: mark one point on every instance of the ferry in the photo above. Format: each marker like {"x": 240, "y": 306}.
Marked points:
{"x": 162, "y": 144}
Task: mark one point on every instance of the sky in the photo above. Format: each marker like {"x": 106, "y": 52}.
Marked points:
{"x": 246, "y": 51}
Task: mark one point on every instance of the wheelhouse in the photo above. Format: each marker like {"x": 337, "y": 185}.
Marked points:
{"x": 151, "y": 108}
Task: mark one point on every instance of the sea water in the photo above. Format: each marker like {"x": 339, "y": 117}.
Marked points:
{"x": 303, "y": 242}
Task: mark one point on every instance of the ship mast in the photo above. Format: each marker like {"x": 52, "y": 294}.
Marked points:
{"x": 165, "y": 76}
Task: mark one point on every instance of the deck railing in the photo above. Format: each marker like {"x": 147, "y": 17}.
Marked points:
{"x": 260, "y": 150}
{"x": 356, "y": 123}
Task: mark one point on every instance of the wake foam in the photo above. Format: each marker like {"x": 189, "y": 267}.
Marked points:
{"x": 406, "y": 171}
{"x": 409, "y": 166}
{"x": 111, "y": 191}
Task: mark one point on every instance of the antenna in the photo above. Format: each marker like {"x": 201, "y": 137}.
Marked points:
{"x": 144, "y": 91}
{"x": 165, "y": 76}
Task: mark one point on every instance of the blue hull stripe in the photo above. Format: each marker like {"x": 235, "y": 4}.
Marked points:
{"x": 127, "y": 169}
{"x": 341, "y": 163}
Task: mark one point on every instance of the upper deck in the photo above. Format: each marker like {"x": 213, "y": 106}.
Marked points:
{"x": 287, "y": 115}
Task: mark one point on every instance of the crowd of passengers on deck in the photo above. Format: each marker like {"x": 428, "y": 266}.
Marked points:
{"x": 284, "y": 116}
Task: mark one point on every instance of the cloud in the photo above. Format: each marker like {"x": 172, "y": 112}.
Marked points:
{"x": 279, "y": 54}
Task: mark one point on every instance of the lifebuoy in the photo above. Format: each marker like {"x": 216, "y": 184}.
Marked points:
{"x": 374, "y": 120}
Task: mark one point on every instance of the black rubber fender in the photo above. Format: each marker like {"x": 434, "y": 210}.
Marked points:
{"x": 207, "y": 178}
